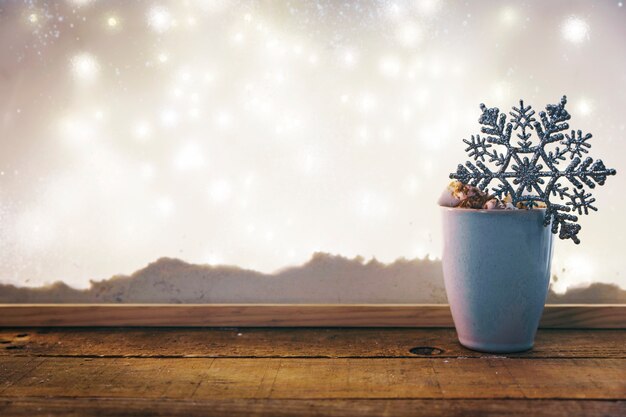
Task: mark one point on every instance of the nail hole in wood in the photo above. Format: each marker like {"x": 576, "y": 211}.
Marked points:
{"x": 426, "y": 350}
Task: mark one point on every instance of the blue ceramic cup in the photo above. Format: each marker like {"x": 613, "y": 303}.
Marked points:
{"x": 496, "y": 266}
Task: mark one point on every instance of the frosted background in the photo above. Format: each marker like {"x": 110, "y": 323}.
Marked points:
{"x": 256, "y": 133}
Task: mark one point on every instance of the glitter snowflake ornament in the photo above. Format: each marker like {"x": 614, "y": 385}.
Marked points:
{"x": 533, "y": 171}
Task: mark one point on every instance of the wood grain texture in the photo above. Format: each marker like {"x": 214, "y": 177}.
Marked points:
{"x": 303, "y": 372}
{"x": 283, "y": 315}
{"x": 290, "y": 343}
{"x": 380, "y": 378}
{"x": 108, "y": 407}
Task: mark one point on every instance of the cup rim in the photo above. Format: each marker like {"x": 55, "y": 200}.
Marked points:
{"x": 493, "y": 211}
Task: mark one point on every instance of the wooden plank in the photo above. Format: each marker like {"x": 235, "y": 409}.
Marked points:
{"x": 221, "y": 378}
{"x": 574, "y": 316}
{"x": 105, "y": 407}
{"x": 11, "y": 374}
{"x": 291, "y": 342}
{"x": 223, "y": 315}
{"x": 283, "y": 315}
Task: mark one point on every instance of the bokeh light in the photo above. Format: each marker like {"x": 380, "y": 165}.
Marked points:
{"x": 255, "y": 133}
{"x": 575, "y": 30}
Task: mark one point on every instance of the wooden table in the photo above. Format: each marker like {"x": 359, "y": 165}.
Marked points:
{"x": 280, "y": 372}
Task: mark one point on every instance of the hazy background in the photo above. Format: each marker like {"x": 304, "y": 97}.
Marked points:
{"x": 256, "y": 133}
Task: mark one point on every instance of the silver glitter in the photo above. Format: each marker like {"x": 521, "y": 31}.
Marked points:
{"x": 536, "y": 168}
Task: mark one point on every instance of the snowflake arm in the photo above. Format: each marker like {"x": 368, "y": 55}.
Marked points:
{"x": 576, "y": 144}
{"x": 494, "y": 125}
{"x": 581, "y": 201}
{"x": 588, "y": 172}
{"x": 557, "y": 154}
{"x": 553, "y": 121}
{"x": 477, "y": 148}
{"x": 558, "y": 190}
{"x": 563, "y": 223}
{"x": 522, "y": 118}
{"x": 496, "y": 157}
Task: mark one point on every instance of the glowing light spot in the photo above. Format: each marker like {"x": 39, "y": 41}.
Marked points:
{"x": 238, "y": 38}
{"x": 177, "y": 92}
{"x": 208, "y": 78}
{"x": 85, "y": 67}
{"x": 362, "y": 135}
{"x": 223, "y": 119}
{"x": 390, "y": 66}
{"x": 584, "y": 107}
{"x": 184, "y": 76}
{"x": 163, "y": 58}
{"x": 214, "y": 258}
{"x": 575, "y": 30}
{"x": 33, "y": 18}
{"x": 508, "y": 16}
{"x": 169, "y": 118}
{"x": 420, "y": 251}
{"x": 142, "y": 130}
{"x": 220, "y": 191}
{"x": 189, "y": 157}
{"x": 393, "y": 10}
{"x": 349, "y": 58}
{"x": 159, "y": 19}
{"x": 112, "y": 22}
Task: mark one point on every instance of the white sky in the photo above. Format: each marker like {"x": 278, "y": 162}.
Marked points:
{"x": 255, "y": 134}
